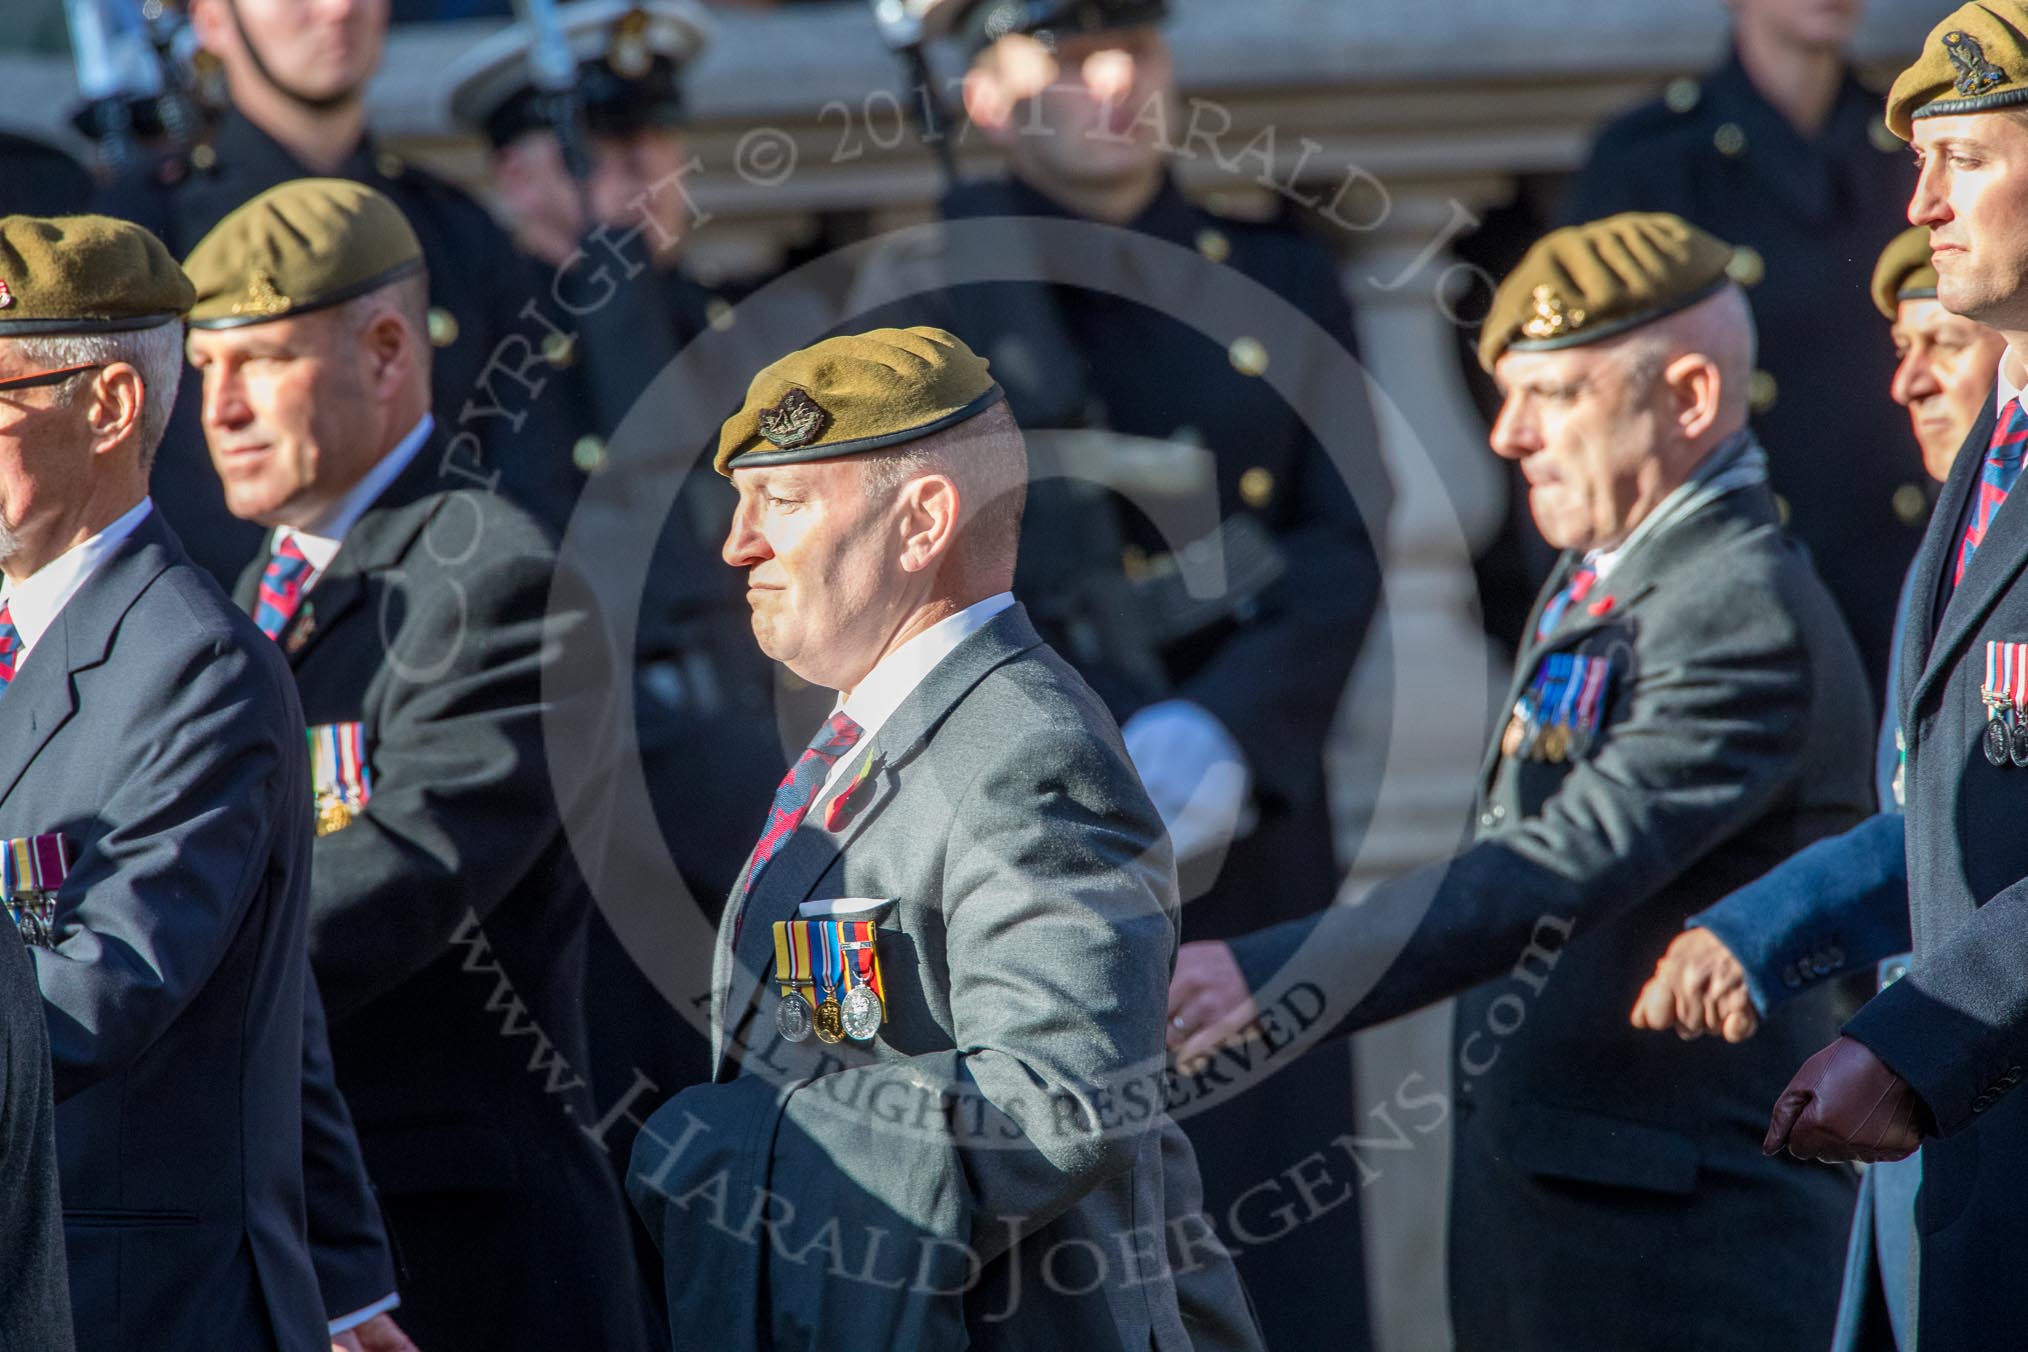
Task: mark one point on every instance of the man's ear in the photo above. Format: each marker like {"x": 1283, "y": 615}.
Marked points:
{"x": 929, "y": 520}
{"x": 388, "y": 349}
{"x": 113, "y": 411}
{"x": 1696, "y": 393}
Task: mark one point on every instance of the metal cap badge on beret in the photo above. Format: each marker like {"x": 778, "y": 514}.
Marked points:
{"x": 300, "y": 246}
{"x": 1974, "y": 61}
{"x": 85, "y": 274}
{"x": 978, "y": 24}
{"x": 863, "y": 392}
{"x": 629, "y": 56}
{"x": 1904, "y": 271}
{"x": 1586, "y": 283}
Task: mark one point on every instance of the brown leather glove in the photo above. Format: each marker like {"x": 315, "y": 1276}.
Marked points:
{"x": 1845, "y": 1104}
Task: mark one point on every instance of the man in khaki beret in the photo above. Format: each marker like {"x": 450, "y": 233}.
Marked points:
{"x": 937, "y": 994}
{"x": 147, "y": 731}
{"x": 413, "y": 610}
{"x": 1687, "y": 709}
{"x": 1841, "y": 906}
{"x": 1930, "y": 1060}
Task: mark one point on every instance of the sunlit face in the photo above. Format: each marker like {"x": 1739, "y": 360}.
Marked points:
{"x": 1945, "y": 373}
{"x": 319, "y": 49}
{"x": 1585, "y": 440}
{"x": 1972, "y": 193}
{"x": 820, "y": 557}
{"x": 287, "y": 415}
{"x": 1804, "y": 23}
{"x": 45, "y": 451}
{"x": 1093, "y": 110}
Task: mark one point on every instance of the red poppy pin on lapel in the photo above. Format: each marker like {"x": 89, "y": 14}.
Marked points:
{"x": 840, "y": 809}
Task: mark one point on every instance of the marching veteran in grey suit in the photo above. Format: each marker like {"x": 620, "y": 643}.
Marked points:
{"x": 936, "y": 1117}
{"x": 1687, "y": 710}
{"x": 148, "y": 733}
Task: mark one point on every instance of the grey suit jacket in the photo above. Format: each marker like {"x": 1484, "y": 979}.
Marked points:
{"x": 1736, "y": 730}
{"x": 1005, "y": 1134}
{"x": 159, "y": 730}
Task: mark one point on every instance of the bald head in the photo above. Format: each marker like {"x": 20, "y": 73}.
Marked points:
{"x": 1713, "y": 341}
{"x": 986, "y": 460}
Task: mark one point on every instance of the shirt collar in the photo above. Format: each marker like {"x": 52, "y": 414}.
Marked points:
{"x": 320, "y": 543}
{"x": 901, "y": 671}
{"x": 34, "y": 602}
{"x": 2005, "y": 390}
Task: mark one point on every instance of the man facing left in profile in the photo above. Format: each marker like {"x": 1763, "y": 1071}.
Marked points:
{"x": 151, "y": 746}
{"x": 937, "y": 994}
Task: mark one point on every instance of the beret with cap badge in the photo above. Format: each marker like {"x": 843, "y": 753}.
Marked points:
{"x": 1975, "y": 61}
{"x": 1586, "y": 283}
{"x": 300, "y": 246}
{"x": 63, "y": 275}
{"x": 859, "y": 392}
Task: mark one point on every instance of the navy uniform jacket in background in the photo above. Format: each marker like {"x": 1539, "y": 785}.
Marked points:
{"x": 1956, "y": 1026}
{"x": 34, "y": 1299}
{"x": 1273, "y": 674}
{"x": 478, "y": 286}
{"x": 40, "y": 180}
{"x": 447, "y": 920}
{"x": 1818, "y": 213}
{"x": 1608, "y": 1188}
{"x": 158, "y": 729}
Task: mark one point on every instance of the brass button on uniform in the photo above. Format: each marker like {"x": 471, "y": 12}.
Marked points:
{"x": 389, "y": 164}
{"x": 1730, "y": 138}
{"x": 443, "y": 327}
{"x": 1911, "y": 505}
{"x": 1762, "y": 392}
{"x": 718, "y": 313}
{"x": 1249, "y": 357}
{"x": 1214, "y": 245}
{"x": 589, "y": 454}
{"x": 1257, "y": 487}
{"x": 1746, "y": 267}
{"x": 1884, "y": 140}
{"x": 1781, "y": 509}
{"x": 203, "y": 158}
{"x": 1682, "y": 94}
{"x": 559, "y": 350}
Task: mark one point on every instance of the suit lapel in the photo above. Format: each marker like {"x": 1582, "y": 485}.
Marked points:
{"x": 377, "y": 541}
{"x": 1931, "y": 641}
{"x": 805, "y": 857}
{"x": 41, "y": 697}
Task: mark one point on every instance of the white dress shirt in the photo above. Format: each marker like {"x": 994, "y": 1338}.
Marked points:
{"x": 34, "y": 602}
{"x": 321, "y": 540}
{"x": 897, "y": 675}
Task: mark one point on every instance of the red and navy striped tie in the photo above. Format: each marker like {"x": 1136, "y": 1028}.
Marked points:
{"x": 10, "y": 646}
{"x": 1996, "y": 480}
{"x": 799, "y": 788}
{"x": 282, "y": 586}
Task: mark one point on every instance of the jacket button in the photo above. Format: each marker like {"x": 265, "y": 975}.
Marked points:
{"x": 1487, "y": 819}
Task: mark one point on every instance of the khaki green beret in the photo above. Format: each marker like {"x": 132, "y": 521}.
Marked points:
{"x": 85, "y": 274}
{"x": 299, "y": 246}
{"x": 863, "y": 392}
{"x": 1585, "y": 283}
{"x": 1904, "y": 271}
{"x": 1975, "y": 60}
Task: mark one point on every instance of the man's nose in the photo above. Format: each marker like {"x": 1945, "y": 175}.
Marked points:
{"x": 744, "y": 546}
{"x": 1914, "y": 379}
